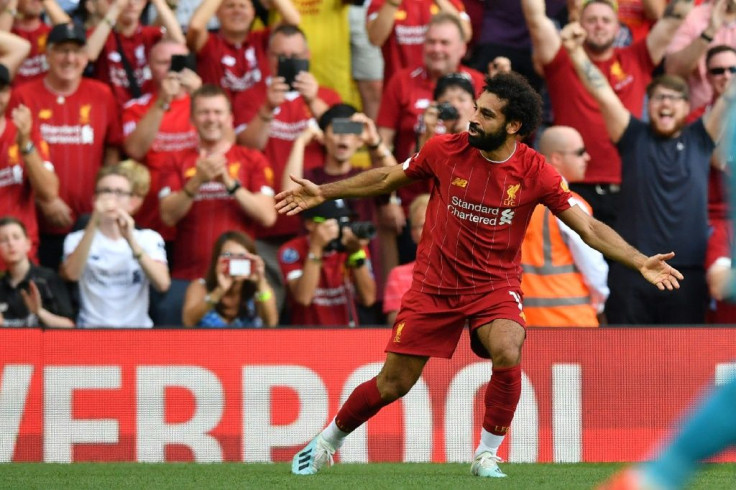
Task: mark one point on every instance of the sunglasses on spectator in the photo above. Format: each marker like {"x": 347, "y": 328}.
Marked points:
{"x": 115, "y": 192}
{"x": 578, "y": 153}
{"x": 720, "y": 70}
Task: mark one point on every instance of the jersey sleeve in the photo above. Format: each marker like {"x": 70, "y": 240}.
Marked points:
{"x": 153, "y": 244}
{"x": 555, "y": 193}
{"x": 171, "y": 176}
{"x": 418, "y": 166}
{"x": 258, "y": 176}
{"x": 71, "y": 242}
{"x": 372, "y": 11}
{"x": 291, "y": 262}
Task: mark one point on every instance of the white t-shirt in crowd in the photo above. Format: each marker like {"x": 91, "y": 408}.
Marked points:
{"x": 113, "y": 288}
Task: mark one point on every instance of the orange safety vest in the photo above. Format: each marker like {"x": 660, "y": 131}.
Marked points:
{"x": 555, "y": 294}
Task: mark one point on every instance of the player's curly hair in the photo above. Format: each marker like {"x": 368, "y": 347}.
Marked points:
{"x": 523, "y": 103}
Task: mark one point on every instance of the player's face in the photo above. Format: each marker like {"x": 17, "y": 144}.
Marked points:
{"x": 341, "y": 147}
{"x": 212, "y": 118}
{"x": 601, "y": 25}
{"x": 236, "y": 16}
{"x": 719, "y": 71}
{"x": 66, "y": 61}
{"x": 14, "y": 244}
{"x": 488, "y": 127}
{"x": 443, "y": 49}
{"x": 667, "y": 111}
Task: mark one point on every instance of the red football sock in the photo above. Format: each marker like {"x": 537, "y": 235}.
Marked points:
{"x": 363, "y": 403}
{"x": 502, "y": 396}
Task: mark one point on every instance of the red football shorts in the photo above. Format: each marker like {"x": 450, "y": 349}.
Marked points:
{"x": 430, "y": 325}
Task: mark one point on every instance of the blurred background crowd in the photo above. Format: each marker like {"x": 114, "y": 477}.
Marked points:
{"x": 142, "y": 144}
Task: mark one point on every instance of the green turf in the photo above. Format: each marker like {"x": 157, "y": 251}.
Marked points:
{"x": 342, "y": 476}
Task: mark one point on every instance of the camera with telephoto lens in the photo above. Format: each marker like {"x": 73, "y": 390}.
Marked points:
{"x": 447, "y": 112}
{"x": 363, "y": 230}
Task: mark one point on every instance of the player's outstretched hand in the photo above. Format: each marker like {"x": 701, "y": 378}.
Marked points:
{"x": 294, "y": 201}
{"x": 657, "y": 271}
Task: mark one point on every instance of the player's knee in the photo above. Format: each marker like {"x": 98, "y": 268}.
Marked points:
{"x": 393, "y": 388}
{"x": 506, "y": 355}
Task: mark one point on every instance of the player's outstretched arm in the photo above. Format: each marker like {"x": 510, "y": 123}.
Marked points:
{"x": 372, "y": 182}
{"x": 603, "y": 238}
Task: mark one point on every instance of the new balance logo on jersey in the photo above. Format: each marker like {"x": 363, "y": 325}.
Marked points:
{"x": 506, "y": 216}
{"x": 460, "y": 182}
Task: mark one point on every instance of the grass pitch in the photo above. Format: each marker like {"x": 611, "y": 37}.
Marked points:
{"x": 341, "y": 476}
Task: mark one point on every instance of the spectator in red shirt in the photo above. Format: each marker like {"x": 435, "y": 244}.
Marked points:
{"x": 398, "y": 27}
{"x": 78, "y": 118}
{"x": 26, "y": 174}
{"x": 269, "y": 118}
{"x": 214, "y": 188}
{"x": 628, "y": 71}
{"x": 233, "y": 57}
{"x": 158, "y": 125}
{"x": 120, "y": 46}
{"x": 327, "y": 271}
{"x": 23, "y": 18}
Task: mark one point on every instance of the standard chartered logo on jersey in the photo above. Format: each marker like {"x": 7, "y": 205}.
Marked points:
{"x": 68, "y": 134}
{"x": 479, "y": 213}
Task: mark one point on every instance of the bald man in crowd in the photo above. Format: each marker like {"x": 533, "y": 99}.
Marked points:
{"x": 564, "y": 281}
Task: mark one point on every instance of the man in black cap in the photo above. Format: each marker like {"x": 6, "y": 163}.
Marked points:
{"x": 327, "y": 271}
{"x": 78, "y": 118}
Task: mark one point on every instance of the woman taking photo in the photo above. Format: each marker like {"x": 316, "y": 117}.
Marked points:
{"x": 235, "y": 292}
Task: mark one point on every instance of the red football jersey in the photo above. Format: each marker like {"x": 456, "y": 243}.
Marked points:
{"x": 289, "y": 120}
{"x": 404, "y": 48}
{"x": 77, "y": 128}
{"x": 628, "y": 72}
{"x": 16, "y": 193}
{"x": 109, "y": 66}
{"x": 214, "y": 211}
{"x": 34, "y": 66}
{"x": 333, "y": 302}
{"x": 477, "y": 214}
{"x": 234, "y": 68}
{"x": 175, "y": 134}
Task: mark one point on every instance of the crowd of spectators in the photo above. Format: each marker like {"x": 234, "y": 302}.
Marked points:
{"x": 219, "y": 104}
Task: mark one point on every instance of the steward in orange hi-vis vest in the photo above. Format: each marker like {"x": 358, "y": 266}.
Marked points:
{"x": 555, "y": 293}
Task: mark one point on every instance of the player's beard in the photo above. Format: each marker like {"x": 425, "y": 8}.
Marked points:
{"x": 487, "y": 141}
